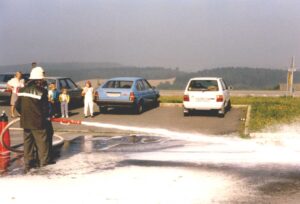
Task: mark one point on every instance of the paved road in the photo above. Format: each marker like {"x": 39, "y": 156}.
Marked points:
{"x": 170, "y": 118}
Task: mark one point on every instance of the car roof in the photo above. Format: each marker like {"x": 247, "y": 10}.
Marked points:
{"x": 205, "y": 78}
{"x": 12, "y": 73}
{"x": 126, "y": 78}
{"x": 53, "y": 77}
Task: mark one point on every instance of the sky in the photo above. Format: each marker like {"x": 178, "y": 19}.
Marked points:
{"x": 189, "y": 34}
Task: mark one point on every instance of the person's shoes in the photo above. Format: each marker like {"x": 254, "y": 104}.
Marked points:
{"x": 62, "y": 116}
{"x": 67, "y": 116}
{"x": 51, "y": 162}
{"x": 48, "y": 163}
{"x": 85, "y": 116}
{"x": 92, "y": 116}
{"x": 27, "y": 170}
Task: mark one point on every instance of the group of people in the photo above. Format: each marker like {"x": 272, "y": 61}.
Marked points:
{"x": 36, "y": 105}
{"x": 58, "y": 100}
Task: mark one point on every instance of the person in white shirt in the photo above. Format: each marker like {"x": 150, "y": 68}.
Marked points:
{"x": 88, "y": 93}
{"x": 14, "y": 85}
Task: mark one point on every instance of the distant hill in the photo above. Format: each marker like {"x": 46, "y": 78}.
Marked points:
{"x": 83, "y": 71}
{"x": 238, "y": 77}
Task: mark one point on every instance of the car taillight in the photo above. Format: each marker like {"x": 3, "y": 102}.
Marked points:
{"x": 220, "y": 98}
{"x": 131, "y": 97}
{"x": 186, "y": 98}
{"x": 96, "y": 96}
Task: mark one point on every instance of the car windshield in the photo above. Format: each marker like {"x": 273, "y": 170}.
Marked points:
{"x": 203, "y": 85}
{"x": 116, "y": 84}
{"x": 5, "y": 77}
{"x": 50, "y": 81}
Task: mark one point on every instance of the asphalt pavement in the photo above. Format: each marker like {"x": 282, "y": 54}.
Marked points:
{"x": 169, "y": 118}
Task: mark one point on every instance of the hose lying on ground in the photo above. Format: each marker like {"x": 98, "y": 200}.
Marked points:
{"x": 14, "y": 148}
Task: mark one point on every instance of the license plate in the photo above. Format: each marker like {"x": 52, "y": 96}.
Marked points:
{"x": 201, "y": 99}
{"x": 113, "y": 94}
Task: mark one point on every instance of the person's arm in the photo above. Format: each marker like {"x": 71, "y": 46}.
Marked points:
{"x": 9, "y": 85}
{"x": 22, "y": 83}
{"x": 68, "y": 98}
{"x": 83, "y": 91}
{"x": 60, "y": 98}
{"x": 50, "y": 96}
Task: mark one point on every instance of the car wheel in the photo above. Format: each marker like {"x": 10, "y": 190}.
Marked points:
{"x": 156, "y": 103}
{"x": 186, "y": 112}
{"x": 103, "y": 109}
{"x": 221, "y": 113}
{"x": 139, "y": 108}
{"x": 229, "y": 106}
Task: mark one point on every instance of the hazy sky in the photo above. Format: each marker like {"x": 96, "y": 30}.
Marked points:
{"x": 190, "y": 34}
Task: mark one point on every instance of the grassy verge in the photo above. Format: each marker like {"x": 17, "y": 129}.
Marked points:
{"x": 266, "y": 111}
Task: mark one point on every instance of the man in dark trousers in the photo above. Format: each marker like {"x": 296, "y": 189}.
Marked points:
{"x": 32, "y": 104}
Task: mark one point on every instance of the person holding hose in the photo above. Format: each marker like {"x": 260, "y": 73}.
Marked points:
{"x": 32, "y": 104}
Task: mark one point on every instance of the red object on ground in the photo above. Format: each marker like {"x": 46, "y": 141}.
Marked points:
{"x": 4, "y": 161}
{"x": 67, "y": 121}
{"x": 6, "y": 136}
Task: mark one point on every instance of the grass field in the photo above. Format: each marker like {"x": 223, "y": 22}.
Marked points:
{"x": 266, "y": 111}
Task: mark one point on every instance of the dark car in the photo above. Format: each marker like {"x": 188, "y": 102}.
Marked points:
{"x": 5, "y": 93}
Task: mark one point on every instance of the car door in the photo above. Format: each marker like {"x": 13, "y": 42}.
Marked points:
{"x": 225, "y": 91}
{"x": 140, "y": 90}
{"x": 149, "y": 92}
{"x": 73, "y": 88}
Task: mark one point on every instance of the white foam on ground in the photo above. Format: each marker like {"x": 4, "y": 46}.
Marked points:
{"x": 282, "y": 146}
{"x": 94, "y": 178}
{"x": 123, "y": 185}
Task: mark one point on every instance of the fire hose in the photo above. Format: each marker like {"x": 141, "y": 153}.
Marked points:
{"x": 65, "y": 121}
{"x": 14, "y": 148}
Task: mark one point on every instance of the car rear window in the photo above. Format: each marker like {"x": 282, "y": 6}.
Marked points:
{"x": 203, "y": 85}
{"x": 5, "y": 77}
{"x": 118, "y": 84}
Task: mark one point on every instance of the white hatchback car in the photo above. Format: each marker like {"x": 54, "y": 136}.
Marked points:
{"x": 206, "y": 93}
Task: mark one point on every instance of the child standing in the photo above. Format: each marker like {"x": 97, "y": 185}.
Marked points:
{"x": 53, "y": 95}
{"x": 64, "y": 99}
{"x": 88, "y": 93}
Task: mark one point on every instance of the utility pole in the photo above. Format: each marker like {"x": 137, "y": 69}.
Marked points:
{"x": 290, "y": 78}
